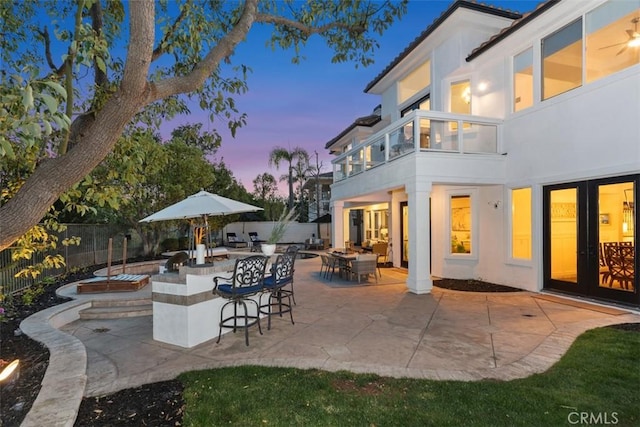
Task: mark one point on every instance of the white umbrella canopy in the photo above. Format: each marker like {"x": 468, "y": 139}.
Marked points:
{"x": 201, "y": 204}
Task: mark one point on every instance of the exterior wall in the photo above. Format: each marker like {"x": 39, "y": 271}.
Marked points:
{"x": 589, "y": 132}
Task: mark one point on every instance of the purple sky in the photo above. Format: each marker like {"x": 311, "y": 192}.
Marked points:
{"x": 308, "y": 104}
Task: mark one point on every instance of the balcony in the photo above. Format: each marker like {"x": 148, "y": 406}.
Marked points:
{"x": 422, "y": 132}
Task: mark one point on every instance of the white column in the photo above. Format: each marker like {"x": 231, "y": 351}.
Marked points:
{"x": 395, "y": 232}
{"x": 337, "y": 224}
{"x": 419, "y": 279}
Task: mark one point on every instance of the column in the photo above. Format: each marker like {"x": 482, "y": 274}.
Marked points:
{"x": 419, "y": 279}
{"x": 337, "y": 224}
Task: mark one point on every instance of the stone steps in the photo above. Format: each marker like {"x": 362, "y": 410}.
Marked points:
{"x": 117, "y": 309}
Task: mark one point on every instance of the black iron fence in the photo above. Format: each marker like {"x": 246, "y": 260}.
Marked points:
{"x": 92, "y": 250}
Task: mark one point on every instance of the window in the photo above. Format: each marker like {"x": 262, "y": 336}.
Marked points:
{"x": 460, "y": 96}
{"x": 523, "y": 80}
{"x": 612, "y": 38}
{"x": 521, "y": 223}
{"x": 376, "y": 225}
{"x": 417, "y": 80}
{"x": 423, "y": 103}
{"x": 460, "y": 224}
{"x": 562, "y": 60}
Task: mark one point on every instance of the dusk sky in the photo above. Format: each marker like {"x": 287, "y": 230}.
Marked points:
{"x": 308, "y": 104}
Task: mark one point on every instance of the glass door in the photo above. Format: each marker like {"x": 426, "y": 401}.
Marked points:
{"x": 404, "y": 228}
{"x": 590, "y": 238}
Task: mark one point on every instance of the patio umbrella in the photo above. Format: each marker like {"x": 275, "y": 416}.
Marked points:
{"x": 201, "y": 204}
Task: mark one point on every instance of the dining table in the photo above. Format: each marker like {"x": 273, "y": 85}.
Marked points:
{"x": 344, "y": 261}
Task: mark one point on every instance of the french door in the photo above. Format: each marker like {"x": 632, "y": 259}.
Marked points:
{"x": 590, "y": 238}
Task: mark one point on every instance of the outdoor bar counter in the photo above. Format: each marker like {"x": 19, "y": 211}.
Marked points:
{"x": 185, "y": 311}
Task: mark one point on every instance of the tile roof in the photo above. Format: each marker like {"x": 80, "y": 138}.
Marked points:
{"x": 468, "y": 4}
{"x": 515, "y": 25}
{"x": 367, "y": 121}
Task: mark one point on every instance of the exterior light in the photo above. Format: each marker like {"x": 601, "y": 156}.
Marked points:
{"x": 8, "y": 370}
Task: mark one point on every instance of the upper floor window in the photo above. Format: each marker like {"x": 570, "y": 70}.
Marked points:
{"x": 523, "y": 80}
{"x": 612, "y": 38}
{"x": 417, "y": 80}
{"x": 460, "y": 97}
{"x": 562, "y": 60}
{"x": 423, "y": 103}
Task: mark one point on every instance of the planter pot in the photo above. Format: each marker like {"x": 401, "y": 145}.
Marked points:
{"x": 200, "y": 250}
{"x": 268, "y": 249}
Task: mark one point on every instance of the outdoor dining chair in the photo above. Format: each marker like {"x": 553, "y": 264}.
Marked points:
{"x": 365, "y": 265}
{"x": 279, "y": 300}
{"x": 246, "y": 281}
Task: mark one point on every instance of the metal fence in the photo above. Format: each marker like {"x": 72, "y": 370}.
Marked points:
{"x": 92, "y": 250}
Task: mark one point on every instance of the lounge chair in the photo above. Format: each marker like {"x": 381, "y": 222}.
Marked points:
{"x": 234, "y": 241}
{"x": 255, "y": 241}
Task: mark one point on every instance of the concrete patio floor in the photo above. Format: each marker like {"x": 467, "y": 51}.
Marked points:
{"x": 375, "y": 328}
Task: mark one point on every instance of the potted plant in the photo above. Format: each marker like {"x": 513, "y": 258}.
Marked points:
{"x": 277, "y": 232}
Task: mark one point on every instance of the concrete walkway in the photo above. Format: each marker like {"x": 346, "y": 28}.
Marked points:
{"x": 374, "y": 328}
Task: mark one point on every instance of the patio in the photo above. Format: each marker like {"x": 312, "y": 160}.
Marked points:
{"x": 378, "y": 328}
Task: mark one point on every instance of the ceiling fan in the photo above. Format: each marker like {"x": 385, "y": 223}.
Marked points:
{"x": 632, "y": 41}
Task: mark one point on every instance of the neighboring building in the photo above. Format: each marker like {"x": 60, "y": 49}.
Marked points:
{"x": 318, "y": 190}
{"x": 507, "y": 148}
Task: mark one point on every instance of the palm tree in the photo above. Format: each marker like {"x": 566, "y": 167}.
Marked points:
{"x": 278, "y": 154}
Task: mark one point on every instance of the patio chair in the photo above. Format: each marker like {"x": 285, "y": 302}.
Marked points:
{"x": 380, "y": 249}
{"x": 255, "y": 241}
{"x": 175, "y": 261}
{"x": 234, "y": 241}
{"x": 246, "y": 281}
{"x": 278, "y": 299}
{"x": 293, "y": 250}
{"x": 365, "y": 265}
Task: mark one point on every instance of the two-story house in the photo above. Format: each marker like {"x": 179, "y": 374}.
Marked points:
{"x": 506, "y": 148}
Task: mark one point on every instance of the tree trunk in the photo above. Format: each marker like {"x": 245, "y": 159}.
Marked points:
{"x": 95, "y": 136}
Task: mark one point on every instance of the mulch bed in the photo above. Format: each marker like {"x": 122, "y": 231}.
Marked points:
{"x": 157, "y": 404}
{"x": 472, "y": 285}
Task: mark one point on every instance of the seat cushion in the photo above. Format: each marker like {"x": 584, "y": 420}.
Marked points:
{"x": 270, "y": 282}
{"x": 227, "y": 290}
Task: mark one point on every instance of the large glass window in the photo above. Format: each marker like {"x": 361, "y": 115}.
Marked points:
{"x": 417, "y": 80}
{"x": 523, "y": 80}
{"x": 521, "y": 223}
{"x": 562, "y": 60}
{"x": 460, "y": 224}
{"x": 612, "y": 38}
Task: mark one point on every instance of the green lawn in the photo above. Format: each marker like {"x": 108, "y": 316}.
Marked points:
{"x": 598, "y": 378}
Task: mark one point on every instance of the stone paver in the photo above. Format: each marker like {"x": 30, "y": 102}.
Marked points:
{"x": 380, "y": 329}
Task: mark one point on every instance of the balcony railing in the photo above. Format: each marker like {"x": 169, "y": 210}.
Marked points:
{"x": 421, "y": 131}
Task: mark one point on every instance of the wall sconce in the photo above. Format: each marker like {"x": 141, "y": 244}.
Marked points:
{"x": 8, "y": 370}
{"x": 496, "y": 204}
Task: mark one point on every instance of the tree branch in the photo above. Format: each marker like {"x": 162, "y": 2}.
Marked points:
{"x": 160, "y": 49}
{"x": 200, "y": 73}
{"x": 307, "y": 30}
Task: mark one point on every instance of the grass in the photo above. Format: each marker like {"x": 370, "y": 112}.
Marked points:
{"x": 599, "y": 376}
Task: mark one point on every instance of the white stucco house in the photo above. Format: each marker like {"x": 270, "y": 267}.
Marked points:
{"x": 506, "y": 148}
